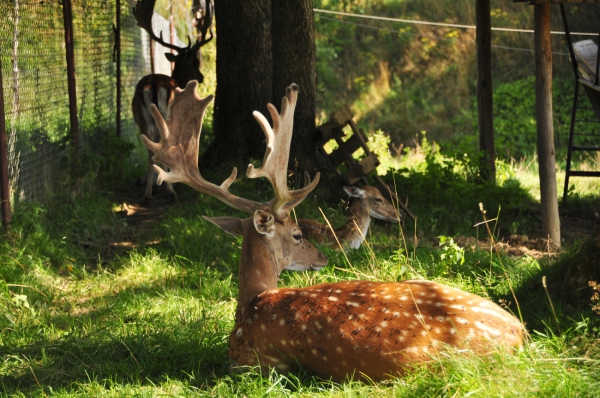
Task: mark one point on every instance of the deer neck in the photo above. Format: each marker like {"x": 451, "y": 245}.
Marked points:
{"x": 356, "y": 228}
{"x": 258, "y": 269}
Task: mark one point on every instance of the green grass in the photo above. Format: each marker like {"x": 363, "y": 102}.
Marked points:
{"x": 80, "y": 317}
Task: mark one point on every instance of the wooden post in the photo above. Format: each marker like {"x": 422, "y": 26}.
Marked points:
{"x": 68, "y": 24}
{"x": 172, "y": 32}
{"x": 118, "y": 51}
{"x": 485, "y": 101}
{"x": 4, "y": 188}
{"x": 545, "y": 129}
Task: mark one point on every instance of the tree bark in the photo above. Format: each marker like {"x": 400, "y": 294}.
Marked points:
{"x": 294, "y": 61}
{"x": 485, "y": 101}
{"x": 244, "y": 84}
{"x": 545, "y": 129}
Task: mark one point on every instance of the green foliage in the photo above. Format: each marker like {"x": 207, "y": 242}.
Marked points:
{"x": 514, "y": 116}
{"x": 452, "y": 253}
{"x": 445, "y": 191}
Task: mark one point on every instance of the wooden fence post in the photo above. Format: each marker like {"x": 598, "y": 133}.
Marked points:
{"x": 68, "y": 25}
{"x": 118, "y": 51}
{"x": 4, "y": 188}
{"x": 545, "y": 128}
{"x": 485, "y": 93}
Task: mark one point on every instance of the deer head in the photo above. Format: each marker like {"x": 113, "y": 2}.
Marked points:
{"x": 272, "y": 241}
{"x": 187, "y": 61}
{"x": 366, "y": 202}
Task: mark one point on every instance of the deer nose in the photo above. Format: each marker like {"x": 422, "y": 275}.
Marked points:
{"x": 323, "y": 258}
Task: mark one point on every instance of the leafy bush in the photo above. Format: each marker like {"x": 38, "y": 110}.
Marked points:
{"x": 444, "y": 190}
{"x": 515, "y": 119}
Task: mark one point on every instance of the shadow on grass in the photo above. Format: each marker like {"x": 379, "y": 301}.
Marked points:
{"x": 122, "y": 346}
{"x": 558, "y": 295}
{"x": 145, "y": 355}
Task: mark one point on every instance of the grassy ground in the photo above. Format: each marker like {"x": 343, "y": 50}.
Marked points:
{"x": 99, "y": 296}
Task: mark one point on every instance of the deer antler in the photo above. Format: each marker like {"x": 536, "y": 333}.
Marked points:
{"x": 143, "y": 11}
{"x": 203, "y": 16}
{"x": 180, "y": 140}
{"x": 275, "y": 162}
{"x": 179, "y": 145}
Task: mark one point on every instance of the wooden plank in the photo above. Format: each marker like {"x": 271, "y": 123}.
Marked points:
{"x": 341, "y": 116}
{"x": 545, "y": 128}
{"x": 369, "y": 163}
{"x": 328, "y": 131}
{"x": 353, "y": 143}
{"x": 337, "y": 157}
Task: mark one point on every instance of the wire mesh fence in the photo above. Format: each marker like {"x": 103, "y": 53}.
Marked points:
{"x": 35, "y": 84}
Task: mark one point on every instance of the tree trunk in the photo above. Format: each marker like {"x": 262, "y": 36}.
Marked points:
{"x": 244, "y": 84}
{"x": 545, "y": 128}
{"x": 293, "y": 37}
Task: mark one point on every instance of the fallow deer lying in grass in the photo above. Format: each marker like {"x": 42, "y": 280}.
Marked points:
{"x": 367, "y": 202}
{"x": 159, "y": 89}
{"x": 337, "y": 330}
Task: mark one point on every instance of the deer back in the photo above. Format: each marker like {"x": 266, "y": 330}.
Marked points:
{"x": 367, "y": 329}
{"x": 152, "y": 89}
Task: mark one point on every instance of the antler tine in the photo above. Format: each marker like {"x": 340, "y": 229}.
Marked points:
{"x": 143, "y": 11}
{"x": 204, "y": 23}
{"x": 179, "y": 145}
{"x": 274, "y": 167}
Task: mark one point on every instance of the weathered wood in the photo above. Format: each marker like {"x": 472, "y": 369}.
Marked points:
{"x": 355, "y": 171}
{"x": 70, "y": 54}
{"x": 4, "y": 184}
{"x": 545, "y": 129}
{"x": 485, "y": 103}
{"x": 341, "y": 116}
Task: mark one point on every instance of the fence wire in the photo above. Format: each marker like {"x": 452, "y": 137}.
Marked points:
{"x": 34, "y": 76}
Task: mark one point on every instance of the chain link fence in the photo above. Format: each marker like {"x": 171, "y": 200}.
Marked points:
{"x": 34, "y": 77}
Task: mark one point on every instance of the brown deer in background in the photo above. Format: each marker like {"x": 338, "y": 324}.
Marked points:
{"x": 360, "y": 329}
{"x": 159, "y": 89}
{"x": 367, "y": 202}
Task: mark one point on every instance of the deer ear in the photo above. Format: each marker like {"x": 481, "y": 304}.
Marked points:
{"x": 264, "y": 223}
{"x": 171, "y": 57}
{"x": 230, "y": 225}
{"x": 355, "y": 192}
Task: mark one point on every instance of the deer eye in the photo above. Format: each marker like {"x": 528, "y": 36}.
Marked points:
{"x": 378, "y": 200}
{"x": 298, "y": 237}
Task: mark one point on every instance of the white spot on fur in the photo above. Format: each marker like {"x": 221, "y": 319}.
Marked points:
{"x": 272, "y": 359}
{"x": 486, "y": 328}
{"x": 331, "y": 298}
